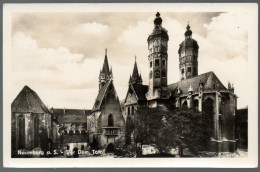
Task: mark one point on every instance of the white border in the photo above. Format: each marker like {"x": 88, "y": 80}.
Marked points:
{"x": 250, "y": 161}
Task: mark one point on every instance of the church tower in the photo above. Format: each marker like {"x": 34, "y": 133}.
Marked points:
{"x": 158, "y": 59}
{"x": 135, "y": 78}
{"x": 188, "y": 56}
{"x": 105, "y": 73}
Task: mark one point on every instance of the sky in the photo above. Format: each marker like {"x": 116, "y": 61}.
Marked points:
{"x": 59, "y": 55}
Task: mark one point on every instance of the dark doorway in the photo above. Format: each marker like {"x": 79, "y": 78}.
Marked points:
{"x": 110, "y": 148}
{"x": 21, "y": 128}
{"x": 75, "y": 152}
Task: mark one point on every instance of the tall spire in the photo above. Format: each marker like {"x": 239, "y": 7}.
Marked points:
{"x": 106, "y": 73}
{"x": 105, "y": 68}
{"x": 135, "y": 70}
{"x": 135, "y": 78}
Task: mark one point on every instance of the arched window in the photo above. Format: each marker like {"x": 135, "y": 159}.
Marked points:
{"x": 65, "y": 132}
{"x": 83, "y": 132}
{"x": 196, "y": 104}
{"x": 151, "y": 74}
{"x": 110, "y": 120}
{"x": 184, "y": 105}
{"x": 163, "y": 73}
{"x": 133, "y": 110}
{"x": 77, "y": 132}
{"x": 36, "y": 131}
{"x": 21, "y": 128}
{"x": 71, "y": 132}
{"x": 208, "y": 112}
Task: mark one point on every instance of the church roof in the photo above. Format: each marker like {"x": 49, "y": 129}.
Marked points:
{"x": 101, "y": 95}
{"x": 140, "y": 91}
{"x": 28, "y": 101}
{"x": 209, "y": 79}
{"x": 70, "y": 115}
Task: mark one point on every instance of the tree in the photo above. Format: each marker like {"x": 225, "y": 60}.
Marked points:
{"x": 169, "y": 128}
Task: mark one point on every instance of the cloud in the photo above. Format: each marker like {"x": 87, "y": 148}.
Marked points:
{"x": 92, "y": 28}
{"x": 70, "y": 58}
{"x": 49, "y": 67}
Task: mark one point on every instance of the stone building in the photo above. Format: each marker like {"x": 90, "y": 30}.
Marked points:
{"x": 106, "y": 124}
{"x": 31, "y": 123}
{"x": 71, "y": 133}
{"x": 205, "y": 92}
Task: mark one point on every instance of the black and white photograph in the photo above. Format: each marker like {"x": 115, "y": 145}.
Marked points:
{"x": 130, "y": 84}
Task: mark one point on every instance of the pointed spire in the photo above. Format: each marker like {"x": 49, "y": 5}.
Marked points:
{"x": 135, "y": 70}
{"x": 105, "y": 68}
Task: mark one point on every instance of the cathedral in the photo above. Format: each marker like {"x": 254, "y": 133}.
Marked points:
{"x": 205, "y": 92}
{"x": 35, "y": 127}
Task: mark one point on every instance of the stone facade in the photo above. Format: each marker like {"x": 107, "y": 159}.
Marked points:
{"x": 106, "y": 124}
{"x": 31, "y": 123}
{"x": 203, "y": 92}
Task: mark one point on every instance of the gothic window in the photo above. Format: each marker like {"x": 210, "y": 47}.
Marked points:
{"x": 182, "y": 71}
{"x": 36, "y": 131}
{"x": 151, "y": 64}
{"x": 65, "y": 132}
{"x": 163, "y": 62}
{"x": 68, "y": 147}
{"x": 133, "y": 110}
{"x": 163, "y": 73}
{"x": 128, "y": 110}
{"x": 208, "y": 111}
{"x": 157, "y": 74}
{"x": 110, "y": 120}
{"x": 184, "y": 105}
{"x": 151, "y": 75}
{"x": 21, "y": 128}
{"x": 196, "y": 104}
{"x": 157, "y": 62}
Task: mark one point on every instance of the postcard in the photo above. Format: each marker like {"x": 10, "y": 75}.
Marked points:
{"x": 130, "y": 85}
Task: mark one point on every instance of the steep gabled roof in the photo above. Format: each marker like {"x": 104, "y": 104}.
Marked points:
{"x": 101, "y": 95}
{"x": 209, "y": 79}
{"x": 28, "y": 101}
{"x": 140, "y": 91}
